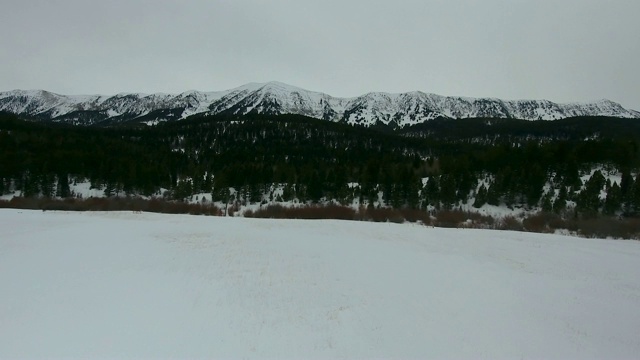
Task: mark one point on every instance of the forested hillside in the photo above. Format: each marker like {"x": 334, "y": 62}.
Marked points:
{"x": 589, "y": 163}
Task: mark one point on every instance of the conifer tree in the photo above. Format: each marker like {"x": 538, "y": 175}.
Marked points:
{"x": 481, "y": 197}
{"x": 545, "y": 202}
{"x": 432, "y": 191}
{"x": 493, "y": 197}
{"x": 62, "y": 186}
{"x": 561, "y": 201}
{"x": 613, "y": 201}
{"x": 589, "y": 198}
{"x": 634, "y": 197}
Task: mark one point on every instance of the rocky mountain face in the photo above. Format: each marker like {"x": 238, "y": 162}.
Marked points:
{"x": 393, "y": 110}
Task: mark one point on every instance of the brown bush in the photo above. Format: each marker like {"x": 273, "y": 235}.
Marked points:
{"x": 632, "y": 226}
{"x": 557, "y": 222}
{"x": 480, "y": 221}
{"x": 231, "y": 210}
{"x": 269, "y": 212}
{"x": 604, "y": 227}
{"x": 110, "y": 204}
{"x": 307, "y": 212}
{"x": 450, "y": 218}
{"x": 416, "y": 215}
{"x": 23, "y": 203}
{"x": 572, "y": 224}
{"x": 541, "y": 222}
{"x": 65, "y": 205}
{"x": 510, "y": 223}
{"x": 249, "y": 214}
{"x": 380, "y": 215}
{"x": 339, "y": 212}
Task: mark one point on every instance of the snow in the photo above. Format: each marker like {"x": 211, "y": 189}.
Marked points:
{"x": 112, "y": 113}
{"x": 153, "y": 122}
{"x": 120, "y": 284}
{"x": 84, "y": 190}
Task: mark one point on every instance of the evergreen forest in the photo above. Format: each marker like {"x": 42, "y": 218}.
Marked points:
{"x": 586, "y": 166}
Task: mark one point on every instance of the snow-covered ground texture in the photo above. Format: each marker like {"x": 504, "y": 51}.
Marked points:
{"x": 122, "y": 284}
{"x": 396, "y": 110}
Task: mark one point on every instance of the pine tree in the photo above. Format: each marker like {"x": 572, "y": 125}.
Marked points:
{"x": 561, "y": 202}
{"x": 254, "y": 194}
{"x": 412, "y": 195}
{"x": 47, "y": 185}
{"x": 481, "y": 197}
{"x": 314, "y": 187}
{"x": 287, "y": 193}
{"x": 109, "y": 189}
{"x": 625, "y": 190}
{"x": 634, "y": 197}
{"x": 589, "y": 199}
{"x": 62, "y": 188}
{"x": 432, "y": 191}
{"x": 493, "y": 197}
{"x": 29, "y": 185}
{"x": 545, "y": 202}
{"x": 613, "y": 201}
{"x": 447, "y": 190}
{"x": 535, "y": 179}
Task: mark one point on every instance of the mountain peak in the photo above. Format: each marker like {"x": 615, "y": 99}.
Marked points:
{"x": 396, "y": 110}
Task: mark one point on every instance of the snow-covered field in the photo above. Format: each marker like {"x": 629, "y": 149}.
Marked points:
{"x": 122, "y": 284}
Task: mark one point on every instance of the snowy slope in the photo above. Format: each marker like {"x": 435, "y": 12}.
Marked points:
{"x": 396, "y": 110}
{"x": 124, "y": 285}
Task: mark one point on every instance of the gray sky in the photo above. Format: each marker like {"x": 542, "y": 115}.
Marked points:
{"x": 561, "y": 50}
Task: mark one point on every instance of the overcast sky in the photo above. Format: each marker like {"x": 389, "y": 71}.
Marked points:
{"x": 561, "y": 50}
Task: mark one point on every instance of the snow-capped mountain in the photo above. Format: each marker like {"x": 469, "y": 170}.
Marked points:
{"x": 394, "y": 110}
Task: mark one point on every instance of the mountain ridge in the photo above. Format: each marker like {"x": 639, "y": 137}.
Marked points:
{"x": 396, "y": 110}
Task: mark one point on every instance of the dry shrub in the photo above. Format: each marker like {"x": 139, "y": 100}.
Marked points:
{"x": 23, "y": 203}
{"x": 269, "y": 212}
{"x": 632, "y": 226}
{"x": 380, "y": 215}
{"x": 542, "y": 222}
{"x": 310, "y": 212}
{"x": 233, "y": 209}
{"x": 339, "y": 212}
{"x": 450, "y": 218}
{"x": 111, "y": 204}
{"x": 557, "y": 222}
{"x": 416, "y": 215}
{"x": 572, "y": 224}
{"x": 535, "y": 223}
{"x": 603, "y": 227}
{"x": 326, "y": 212}
{"x": 154, "y": 205}
{"x": 480, "y": 221}
{"x": 249, "y": 214}
{"x": 69, "y": 204}
{"x": 510, "y": 223}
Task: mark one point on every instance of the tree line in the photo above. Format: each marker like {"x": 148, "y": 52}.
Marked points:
{"x": 439, "y": 164}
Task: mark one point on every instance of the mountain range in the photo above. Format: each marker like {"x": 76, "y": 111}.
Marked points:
{"x": 275, "y": 98}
